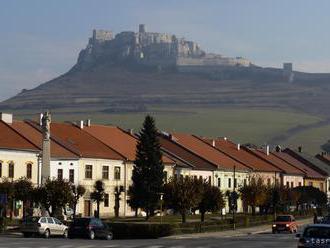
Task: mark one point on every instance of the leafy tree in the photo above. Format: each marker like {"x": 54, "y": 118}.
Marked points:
{"x": 7, "y": 189}
{"x": 254, "y": 194}
{"x": 134, "y": 199}
{"x": 77, "y": 191}
{"x": 23, "y": 191}
{"x": 182, "y": 194}
{"x": 54, "y": 196}
{"x": 118, "y": 191}
{"x": 98, "y": 195}
{"x": 212, "y": 199}
{"x": 148, "y": 171}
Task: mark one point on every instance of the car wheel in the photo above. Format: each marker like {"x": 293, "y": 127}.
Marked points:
{"x": 65, "y": 234}
{"x": 109, "y": 236}
{"x": 47, "y": 234}
{"x": 91, "y": 235}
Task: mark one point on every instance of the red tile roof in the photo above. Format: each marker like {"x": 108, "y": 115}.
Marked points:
{"x": 279, "y": 162}
{"x": 11, "y": 139}
{"x": 87, "y": 145}
{"x": 119, "y": 140}
{"x": 244, "y": 156}
{"x": 184, "y": 155}
{"x": 208, "y": 152}
{"x": 33, "y": 134}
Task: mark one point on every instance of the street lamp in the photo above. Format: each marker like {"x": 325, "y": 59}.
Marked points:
{"x": 161, "y": 207}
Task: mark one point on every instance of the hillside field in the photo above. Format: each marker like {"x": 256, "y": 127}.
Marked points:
{"x": 257, "y": 126}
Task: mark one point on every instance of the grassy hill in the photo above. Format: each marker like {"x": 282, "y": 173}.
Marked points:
{"x": 243, "y": 104}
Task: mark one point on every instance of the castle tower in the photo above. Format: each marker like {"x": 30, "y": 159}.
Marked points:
{"x": 142, "y": 28}
{"x": 45, "y": 166}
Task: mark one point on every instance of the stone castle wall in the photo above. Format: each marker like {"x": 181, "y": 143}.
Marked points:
{"x": 152, "y": 49}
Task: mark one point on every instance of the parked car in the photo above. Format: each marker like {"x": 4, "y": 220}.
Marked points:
{"x": 317, "y": 235}
{"x": 285, "y": 223}
{"x": 89, "y": 227}
{"x": 45, "y": 226}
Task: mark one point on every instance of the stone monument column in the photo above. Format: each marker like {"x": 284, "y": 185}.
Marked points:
{"x": 45, "y": 167}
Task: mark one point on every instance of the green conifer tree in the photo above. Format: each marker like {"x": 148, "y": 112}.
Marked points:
{"x": 148, "y": 172}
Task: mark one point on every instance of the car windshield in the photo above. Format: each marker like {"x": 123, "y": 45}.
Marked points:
{"x": 30, "y": 220}
{"x": 283, "y": 219}
{"x": 317, "y": 232}
{"x": 81, "y": 222}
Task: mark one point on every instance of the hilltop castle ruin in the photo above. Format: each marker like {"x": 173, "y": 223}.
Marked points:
{"x": 151, "y": 49}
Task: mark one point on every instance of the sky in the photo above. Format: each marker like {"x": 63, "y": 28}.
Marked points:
{"x": 41, "y": 39}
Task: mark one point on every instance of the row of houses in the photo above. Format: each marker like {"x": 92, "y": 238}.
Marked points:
{"x": 83, "y": 153}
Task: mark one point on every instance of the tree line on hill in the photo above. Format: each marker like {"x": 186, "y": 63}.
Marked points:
{"x": 150, "y": 193}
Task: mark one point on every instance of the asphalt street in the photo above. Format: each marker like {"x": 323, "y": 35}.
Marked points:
{"x": 255, "y": 240}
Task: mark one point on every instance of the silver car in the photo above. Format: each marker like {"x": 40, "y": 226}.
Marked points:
{"x": 45, "y": 226}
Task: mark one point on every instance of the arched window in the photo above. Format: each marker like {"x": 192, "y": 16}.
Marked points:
{"x": 11, "y": 170}
{"x": 29, "y": 171}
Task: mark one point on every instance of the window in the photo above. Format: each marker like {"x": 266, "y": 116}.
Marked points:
{"x": 287, "y": 184}
{"x": 195, "y": 178}
{"x": 50, "y": 220}
{"x": 29, "y": 171}
{"x": 321, "y": 186}
{"x": 60, "y": 174}
{"x": 292, "y": 184}
{"x": 235, "y": 182}
{"x": 244, "y": 182}
{"x": 0, "y": 169}
{"x": 210, "y": 180}
{"x": 268, "y": 181}
{"x": 88, "y": 171}
{"x": 11, "y": 170}
{"x": 299, "y": 184}
{"x": 71, "y": 175}
{"x": 105, "y": 172}
{"x": 310, "y": 184}
{"x": 106, "y": 200}
{"x": 43, "y": 220}
{"x": 229, "y": 182}
{"x": 219, "y": 182}
{"x": 57, "y": 222}
{"x": 117, "y": 173}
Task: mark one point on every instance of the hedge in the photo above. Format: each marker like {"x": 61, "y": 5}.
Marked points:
{"x": 123, "y": 230}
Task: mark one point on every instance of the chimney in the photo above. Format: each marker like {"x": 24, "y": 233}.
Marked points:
{"x": 81, "y": 124}
{"x": 40, "y": 119}
{"x": 267, "y": 150}
{"x": 238, "y": 146}
{"x": 88, "y": 122}
{"x": 7, "y": 118}
{"x": 299, "y": 148}
{"x": 213, "y": 143}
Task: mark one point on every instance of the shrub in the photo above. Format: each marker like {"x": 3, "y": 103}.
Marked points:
{"x": 140, "y": 230}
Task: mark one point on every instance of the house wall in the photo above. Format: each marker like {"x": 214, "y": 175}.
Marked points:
{"x": 66, "y": 166}
{"x": 320, "y": 184}
{"x": 20, "y": 159}
{"x": 294, "y": 181}
{"x": 110, "y": 184}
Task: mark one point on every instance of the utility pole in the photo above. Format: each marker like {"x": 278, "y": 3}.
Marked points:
{"x": 275, "y": 196}
{"x": 233, "y": 200}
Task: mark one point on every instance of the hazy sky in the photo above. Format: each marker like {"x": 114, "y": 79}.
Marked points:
{"x": 41, "y": 39}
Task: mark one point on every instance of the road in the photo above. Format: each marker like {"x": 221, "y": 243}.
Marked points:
{"x": 246, "y": 241}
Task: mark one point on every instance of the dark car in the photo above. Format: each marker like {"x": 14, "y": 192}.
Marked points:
{"x": 89, "y": 228}
{"x": 285, "y": 223}
{"x": 317, "y": 235}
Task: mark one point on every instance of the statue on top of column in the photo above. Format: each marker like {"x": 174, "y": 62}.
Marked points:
{"x": 46, "y": 120}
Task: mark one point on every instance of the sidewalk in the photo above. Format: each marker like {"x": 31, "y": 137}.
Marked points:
{"x": 236, "y": 233}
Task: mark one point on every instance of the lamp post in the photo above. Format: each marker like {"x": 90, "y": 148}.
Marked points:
{"x": 233, "y": 200}
{"x": 161, "y": 207}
